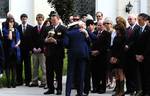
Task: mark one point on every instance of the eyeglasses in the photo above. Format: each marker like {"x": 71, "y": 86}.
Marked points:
{"x": 98, "y": 16}
{"x": 107, "y": 23}
{"x": 129, "y": 18}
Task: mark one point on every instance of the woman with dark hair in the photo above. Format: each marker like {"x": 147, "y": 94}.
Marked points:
{"x": 11, "y": 51}
{"x": 117, "y": 58}
{"x": 47, "y": 22}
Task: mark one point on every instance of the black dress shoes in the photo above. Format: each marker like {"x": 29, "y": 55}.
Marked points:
{"x": 59, "y": 92}
{"x": 19, "y": 84}
{"x": 101, "y": 91}
{"x": 13, "y": 85}
{"x": 94, "y": 91}
{"x": 48, "y": 92}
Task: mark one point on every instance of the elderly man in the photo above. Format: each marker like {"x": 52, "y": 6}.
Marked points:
{"x": 54, "y": 54}
{"x": 78, "y": 53}
{"x": 130, "y": 68}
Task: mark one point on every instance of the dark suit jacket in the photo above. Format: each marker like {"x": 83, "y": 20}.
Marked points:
{"x": 142, "y": 42}
{"x": 147, "y": 53}
{"x": 76, "y": 43}
{"x": 102, "y": 44}
{"x": 56, "y": 50}
{"x": 117, "y": 50}
{"x": 26, "y": 38}
{"x": 130, "y": 41}
{"x": 39, "y": 37}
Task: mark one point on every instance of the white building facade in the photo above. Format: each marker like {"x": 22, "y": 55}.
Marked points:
{"x": 113, "y": 8}
{"x": 30, "y": 7}
{"x": 110, "y": 8}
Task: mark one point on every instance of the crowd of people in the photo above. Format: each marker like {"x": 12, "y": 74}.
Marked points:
{"x": 100, "y": 54}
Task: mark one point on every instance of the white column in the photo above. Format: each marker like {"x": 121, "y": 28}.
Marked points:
{"x": 17, "y": 7}
{"x": 144, "y": 6}
{"x": 107, "y": 7}
{"x": 42, "y": 6}
{"x": 30, "y": 7}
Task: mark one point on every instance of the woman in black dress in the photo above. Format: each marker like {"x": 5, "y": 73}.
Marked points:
{"x": 117, "y": 58}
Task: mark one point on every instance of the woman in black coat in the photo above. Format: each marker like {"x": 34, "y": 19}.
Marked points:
{"x": 117, "y": 58}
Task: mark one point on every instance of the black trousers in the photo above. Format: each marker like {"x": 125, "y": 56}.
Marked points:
{"x": 145, "y": 75}
{"x": 11, "y": 62}
{"x": 26, "y": 60}
{"x": 1, "y": 58}
{"x": 87, "y": 77}
{"x": 54, "y": 66}
{"x": 99, "y": 64}
{"x": 131, "y": 68}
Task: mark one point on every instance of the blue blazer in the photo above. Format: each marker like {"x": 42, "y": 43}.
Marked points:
{"x": 76, "y": 43}
{"x": 9, "y": 45}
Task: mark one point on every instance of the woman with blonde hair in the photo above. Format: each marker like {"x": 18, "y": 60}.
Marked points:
{"x": 120, "y": 19}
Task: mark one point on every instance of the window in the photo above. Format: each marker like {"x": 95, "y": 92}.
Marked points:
{"x": 4, "y": 8}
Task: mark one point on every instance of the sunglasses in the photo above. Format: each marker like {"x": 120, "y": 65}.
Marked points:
{"x": 129, "y": 18}
{"x": 107, "y": 23}
{"x": 75, "y": 19}
{"x": 98, "y": 16}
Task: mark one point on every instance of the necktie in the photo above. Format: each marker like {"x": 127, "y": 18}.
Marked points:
{"x": 54, "y": 28}
{"x": 39, "y": 28}
{"x": 141, "y": 30}
{"x": 130, "y": 32}
{"x": 24, "y": 28}
{"x": 99, "y": 34}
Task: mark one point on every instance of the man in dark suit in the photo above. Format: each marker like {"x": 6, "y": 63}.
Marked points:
{"x": 25, "y": 34}
{"x": 54, "y": 54}
{"x": 142, "y": 51}
{"x": 99, "y": 59}
{"x": 87, "y": 80}
{"x": 78, "y": 53}
{"x": 132, "y": 33}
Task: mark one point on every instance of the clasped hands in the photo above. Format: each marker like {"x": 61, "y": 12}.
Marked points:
{"x": 51, "y": 40}
{"x": 113, "y": 60}
{"x": 37, "y": 50}
{"x": 94, "y": 52}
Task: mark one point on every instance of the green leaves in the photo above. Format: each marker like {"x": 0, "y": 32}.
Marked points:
{"x": 63, "y": 7}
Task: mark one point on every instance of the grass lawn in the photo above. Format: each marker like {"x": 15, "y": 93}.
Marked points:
{"x": 3, "y": 79}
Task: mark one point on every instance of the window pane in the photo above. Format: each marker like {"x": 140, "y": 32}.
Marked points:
{"x": 4, "y": 8}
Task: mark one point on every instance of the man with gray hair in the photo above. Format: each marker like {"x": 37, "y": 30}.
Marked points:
{"x": 131, "y": 67}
